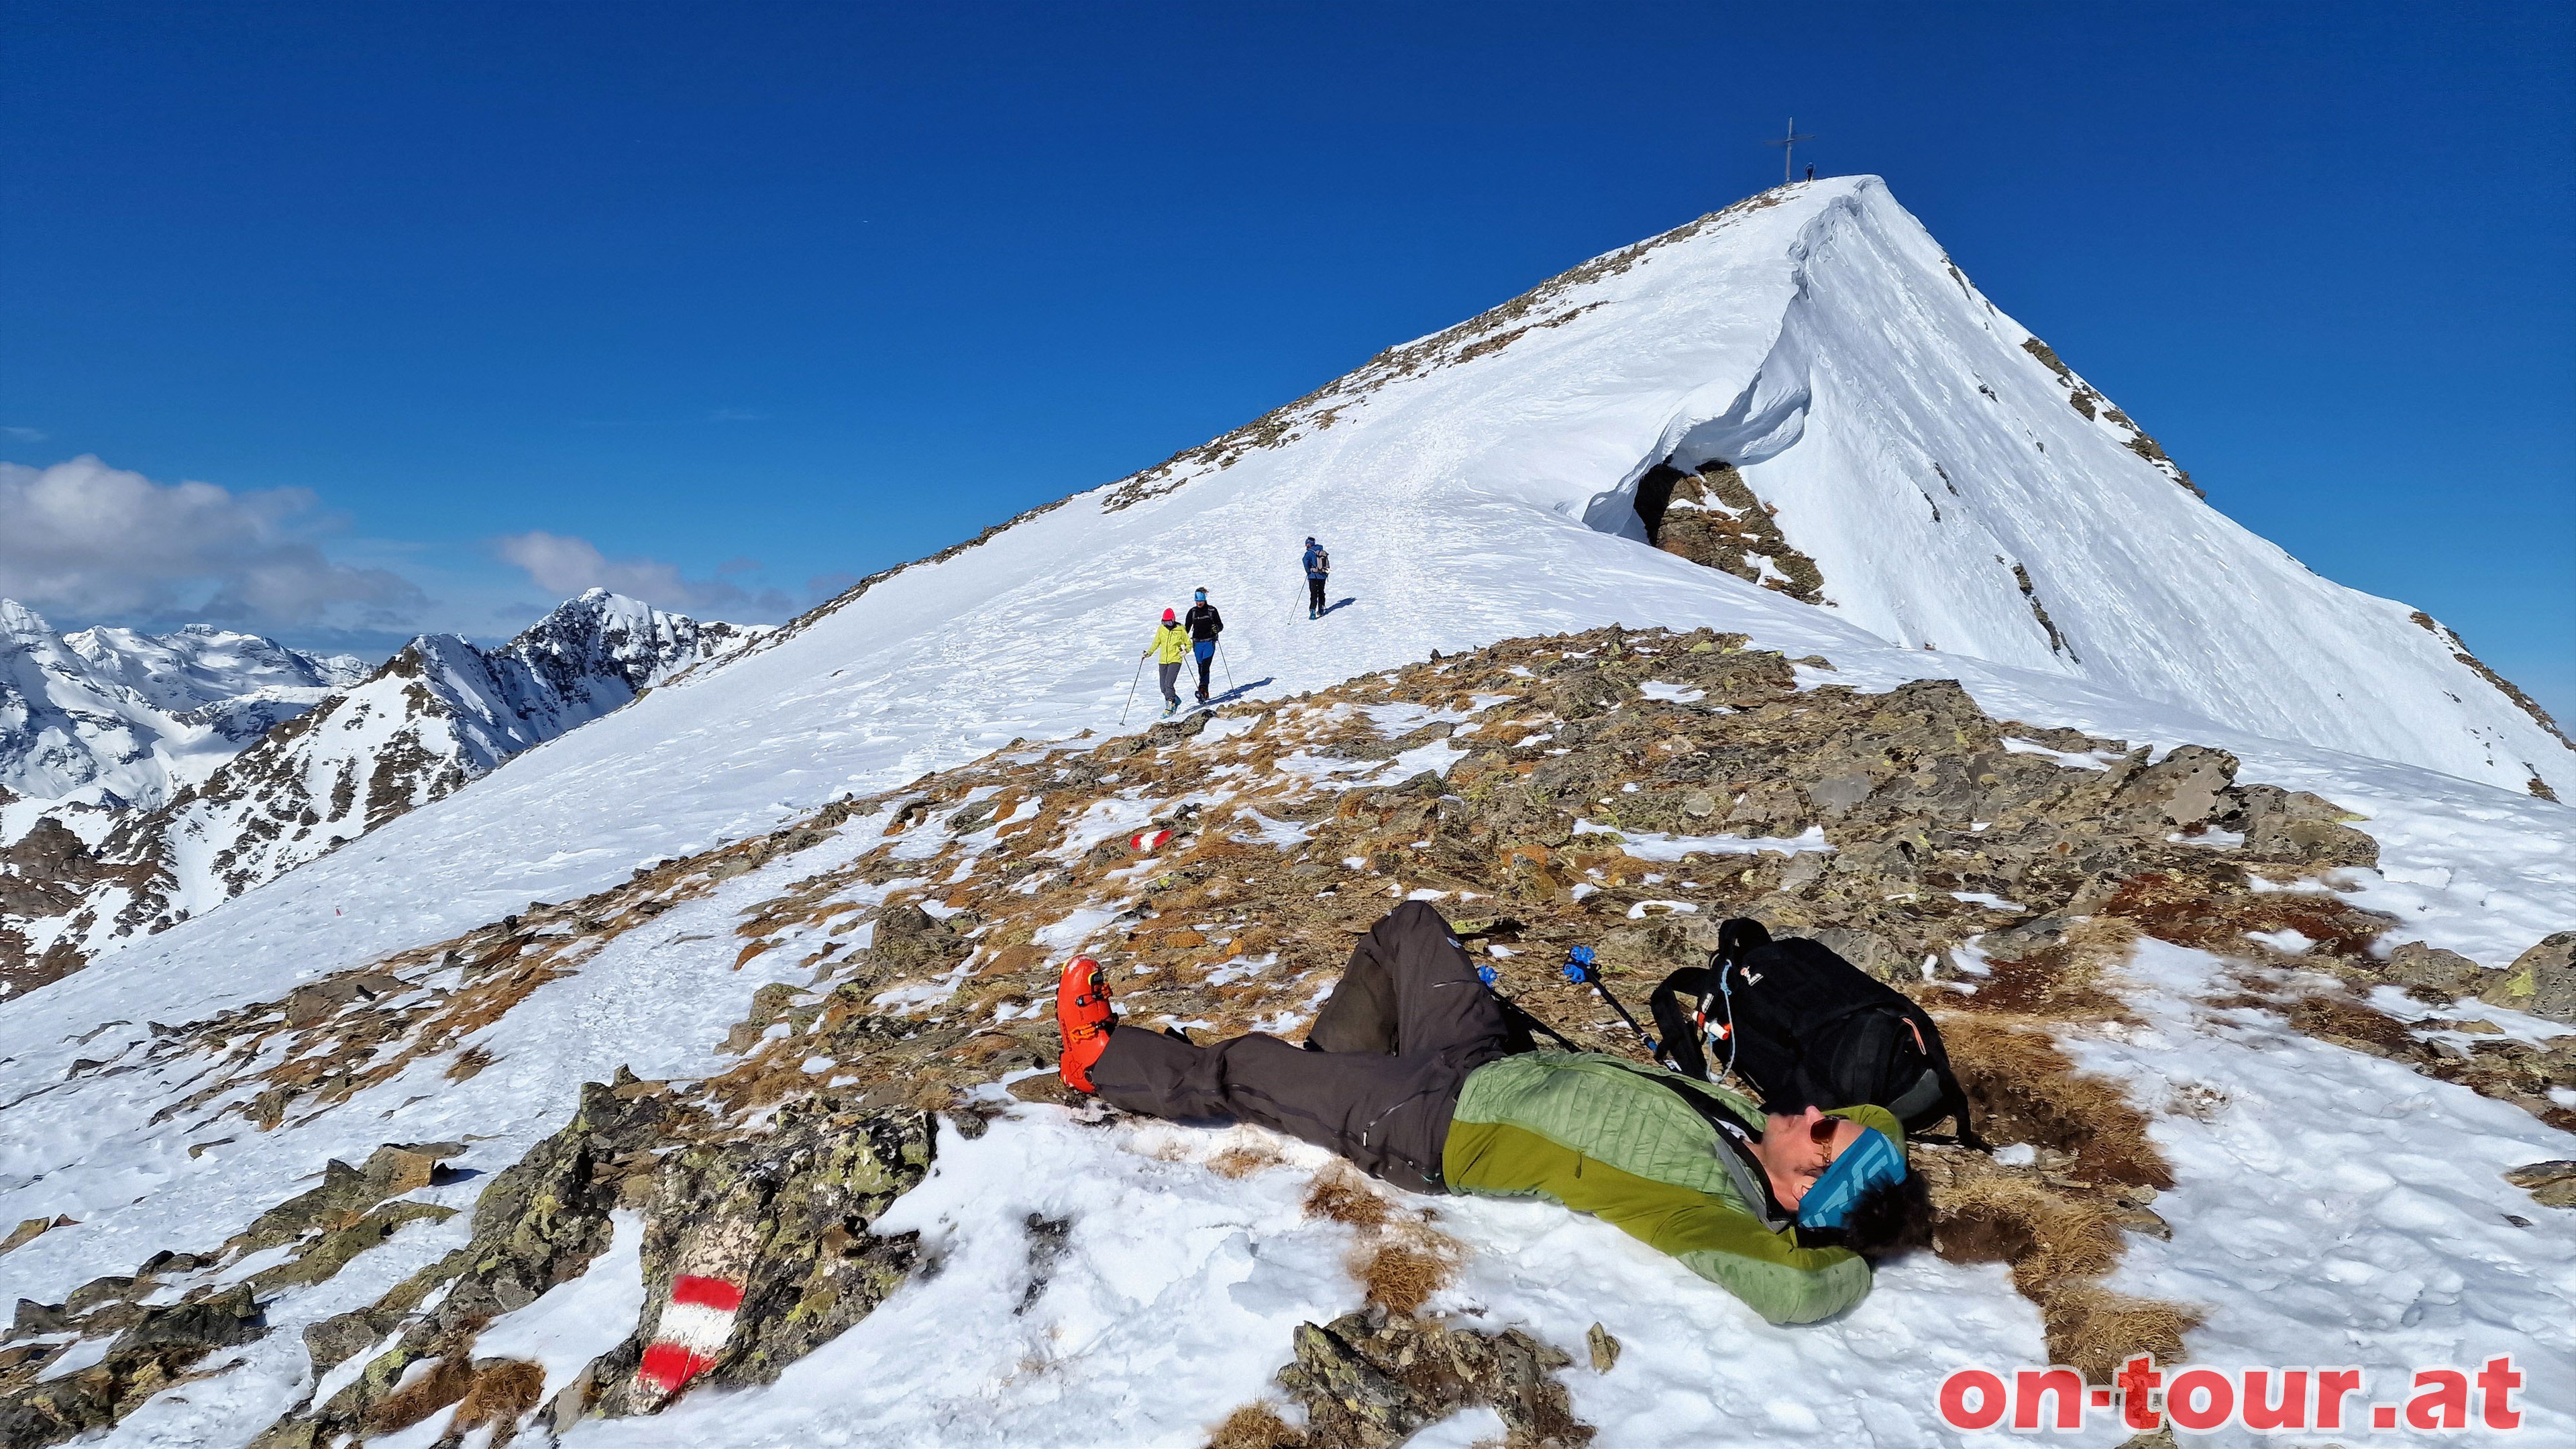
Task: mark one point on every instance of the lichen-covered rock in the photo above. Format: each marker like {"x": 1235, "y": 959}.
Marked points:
{"x": 2295, "y": 826}
{"x": 540, "y": 1223}
{"x": 1369, "y": 1380}
{"x": 154, "y": 1352}
{"x": 346, "y": 1193}
{"x": 784, "y": 1216}
{"x": 783, "y": 1212}
{"x": 2541, "y": 980}
{"x": 2552, "y": 1184}
{"x": 2184, "y": 789}
{"x": 912, "y": 942}
{"x": 2434, "y": 969}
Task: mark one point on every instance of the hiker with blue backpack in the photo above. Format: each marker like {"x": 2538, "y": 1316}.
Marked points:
{"x": 1319, "y": 567}
{"x": 1422, "y": 1075}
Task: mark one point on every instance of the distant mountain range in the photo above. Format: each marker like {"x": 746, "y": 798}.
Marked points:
{"x": 131, "y": 718}
{"x": 149, "y": 778}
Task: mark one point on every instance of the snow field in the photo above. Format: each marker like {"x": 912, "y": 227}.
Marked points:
{"x": 1171, "y": 1305}
{"x": 2331, "y": 1209}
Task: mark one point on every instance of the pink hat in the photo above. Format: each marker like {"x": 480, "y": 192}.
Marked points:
{"x": 1167, "y": 616}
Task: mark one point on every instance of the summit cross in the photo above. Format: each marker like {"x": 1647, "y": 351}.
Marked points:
{"x": 1788, "y": 145}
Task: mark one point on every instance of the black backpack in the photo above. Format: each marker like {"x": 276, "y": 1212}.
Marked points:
{"x": 1802, "y": 1026}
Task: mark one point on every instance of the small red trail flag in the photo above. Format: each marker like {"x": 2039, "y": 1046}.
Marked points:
{"x": 693, "y": 1330}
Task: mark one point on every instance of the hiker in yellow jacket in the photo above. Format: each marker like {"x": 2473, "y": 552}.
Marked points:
{"x": 1168, "y": 648}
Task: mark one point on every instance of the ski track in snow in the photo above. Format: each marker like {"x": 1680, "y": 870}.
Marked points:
{"x": 2335, "y": 1197}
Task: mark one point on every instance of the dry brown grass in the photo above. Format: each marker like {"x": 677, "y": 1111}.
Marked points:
{"x": 2341, "y": 1019}
{"x": 2066, "y": 981}
{"x": 2058, "y": 1242}
{"x": 1344, "y": 1196}
{"x": 446, "y": 1382}
{"x": 2046, "y": 1236}
{"x": 2187, "y": 912}
{"x": 1243, "y": 1161}
{"x": 2025, "y": 1090}
{"x": 501, "y": 1394}
{"x": 2094, "y": 1329}
{"x": 1401, "y": 1275}
{"x": 1255, "y": 1426}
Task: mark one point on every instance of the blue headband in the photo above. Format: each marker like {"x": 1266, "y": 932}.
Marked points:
{"x": 1867, "y": 1163}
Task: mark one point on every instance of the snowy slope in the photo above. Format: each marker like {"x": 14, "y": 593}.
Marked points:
{"x": 1473, "y": 486}
{"x": 1182, "y": 1277}
{"x": 439, "y": 713}
{"x": 139, "y": 716}
{"x": 1452, "y": 479}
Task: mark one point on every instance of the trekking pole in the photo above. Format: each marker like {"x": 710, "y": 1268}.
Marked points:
{"x": 1580, "y": 970}
{"x": 1131, "y": 690}
{"x": 1229, "y": 666}
{"x": 1489, "y": 976}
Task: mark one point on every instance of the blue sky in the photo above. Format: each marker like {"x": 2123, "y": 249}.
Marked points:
{"x": 460, "y": 303}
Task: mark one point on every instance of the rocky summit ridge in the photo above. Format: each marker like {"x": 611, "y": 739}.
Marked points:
{"x": 80, "y": 877}
{"x": 893, "y": 955}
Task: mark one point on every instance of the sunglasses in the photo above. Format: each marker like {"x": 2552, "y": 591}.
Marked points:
{"x": 1821, "y": 1132}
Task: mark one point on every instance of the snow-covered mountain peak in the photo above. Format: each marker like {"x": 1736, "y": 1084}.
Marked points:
{"x": 1952, "y": 483}
{"x": 359, "y": 748}
{"x": 20, "y": 624}
{"x": 134, "y": 716}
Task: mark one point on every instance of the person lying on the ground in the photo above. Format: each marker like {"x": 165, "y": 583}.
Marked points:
{"x": 1407, "y": 1073}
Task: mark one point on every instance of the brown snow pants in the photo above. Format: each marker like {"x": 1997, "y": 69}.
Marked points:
{"x": 1378, "y": 1078}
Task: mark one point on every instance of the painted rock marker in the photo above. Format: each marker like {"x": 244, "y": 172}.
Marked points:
{"x": 693, "y": 1330}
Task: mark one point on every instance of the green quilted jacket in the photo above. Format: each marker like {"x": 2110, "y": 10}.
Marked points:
{"x": 1608, "y": 1137}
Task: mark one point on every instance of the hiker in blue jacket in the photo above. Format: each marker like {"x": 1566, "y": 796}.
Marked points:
{"x": 1319, "y": 566}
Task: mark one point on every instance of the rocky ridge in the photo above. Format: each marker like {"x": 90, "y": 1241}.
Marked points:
{"x": 438, "y": 714}
{"x": 1623, "y": 790}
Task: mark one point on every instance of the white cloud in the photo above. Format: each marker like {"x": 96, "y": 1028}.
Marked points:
{"x": 23, "y": 435}
{"x": 564, "y": 564}
{"x": 91, "y": 541}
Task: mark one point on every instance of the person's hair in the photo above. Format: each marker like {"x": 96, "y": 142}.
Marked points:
{"x": 1890, "y": 1220}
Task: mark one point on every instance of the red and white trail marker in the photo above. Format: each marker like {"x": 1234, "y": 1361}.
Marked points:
{"x": 694, "y": 1327}
{"x": 1146, "y": 841}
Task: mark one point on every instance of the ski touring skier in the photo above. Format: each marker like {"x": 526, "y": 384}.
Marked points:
{"x": 1204, "y": 624}
{"x": 1410, "y": 1073}
{"x": 1319, "y": 567}
{"x": 1169, "y": 646}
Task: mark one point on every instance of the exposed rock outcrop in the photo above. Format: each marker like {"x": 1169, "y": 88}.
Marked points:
{"x": 1712, "y": 517}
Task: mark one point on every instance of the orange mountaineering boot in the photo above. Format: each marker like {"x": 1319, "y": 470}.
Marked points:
{"x": 1083, "y": 1019}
